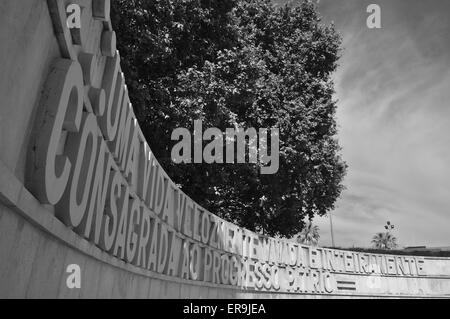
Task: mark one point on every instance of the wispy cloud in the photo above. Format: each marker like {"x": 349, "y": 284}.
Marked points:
{"x": 393, "y": 87}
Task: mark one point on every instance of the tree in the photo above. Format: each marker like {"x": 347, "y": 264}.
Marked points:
{"x": 238, "y": 63}
{"x": 309, "y": 235}
{"x": 384, "y": 241}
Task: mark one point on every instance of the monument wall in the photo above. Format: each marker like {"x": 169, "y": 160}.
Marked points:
{"x": 80, "y": 186}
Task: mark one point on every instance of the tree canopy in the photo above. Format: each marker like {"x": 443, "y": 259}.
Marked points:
{"x": 240, "y": 63}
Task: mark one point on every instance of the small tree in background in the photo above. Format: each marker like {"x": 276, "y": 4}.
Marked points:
{"x": 384, "y": 241}
{"x": 309, "y": 235}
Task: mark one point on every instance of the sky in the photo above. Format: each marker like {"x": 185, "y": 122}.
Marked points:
{"x": 393, "y": 92}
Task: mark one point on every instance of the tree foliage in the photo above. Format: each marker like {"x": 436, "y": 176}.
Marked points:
{"x": 238, "y": 63}
{"x": 384, "y": 241}
{"x": 309, "y": 235}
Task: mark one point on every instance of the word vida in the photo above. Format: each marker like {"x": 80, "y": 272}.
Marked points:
{"x": 233, "y": 143}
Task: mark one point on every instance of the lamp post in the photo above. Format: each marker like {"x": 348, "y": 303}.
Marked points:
{"x": 388, "y": 226}
{"x": 332, "y": 234}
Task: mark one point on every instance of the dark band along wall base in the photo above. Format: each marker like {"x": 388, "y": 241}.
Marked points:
{"x": 80, "y": 186}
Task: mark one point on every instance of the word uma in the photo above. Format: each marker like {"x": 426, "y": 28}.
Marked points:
{"x": 213, "y": 152}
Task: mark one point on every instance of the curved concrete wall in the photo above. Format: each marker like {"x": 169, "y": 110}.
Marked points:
{"x": 79, "y": 186}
